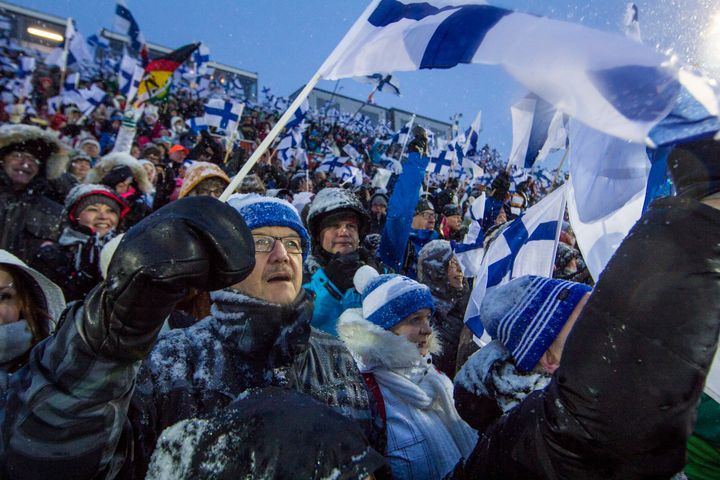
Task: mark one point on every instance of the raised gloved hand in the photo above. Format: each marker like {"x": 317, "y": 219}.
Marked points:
{"x": 195, "y": 242}
{"x": 419, "y": 143}
{"x": 695, "y": 168}
{"x": 341, "y": 269}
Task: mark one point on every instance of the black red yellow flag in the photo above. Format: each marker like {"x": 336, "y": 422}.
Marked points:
{"x": 158, "y": 73}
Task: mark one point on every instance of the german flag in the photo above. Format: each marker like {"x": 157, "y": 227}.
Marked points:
{"x": 158, "y": 73}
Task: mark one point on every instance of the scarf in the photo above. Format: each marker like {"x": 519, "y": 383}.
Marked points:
{"x": 15, "y": 340}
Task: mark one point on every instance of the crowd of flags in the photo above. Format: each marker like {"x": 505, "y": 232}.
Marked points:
{"x": 607, "y": 95}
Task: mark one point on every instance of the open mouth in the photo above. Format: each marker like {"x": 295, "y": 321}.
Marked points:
{"x": 279, "y": 277}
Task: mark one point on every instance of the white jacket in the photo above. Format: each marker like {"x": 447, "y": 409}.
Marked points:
{"x": 426, "y": 436}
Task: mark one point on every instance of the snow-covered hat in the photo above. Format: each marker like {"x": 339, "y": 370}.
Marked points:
{"x": 527, "y": 314}
{"x": 389, "y": 299}
{"x": 84, "y": 194}
{"x": 259, "y": 211}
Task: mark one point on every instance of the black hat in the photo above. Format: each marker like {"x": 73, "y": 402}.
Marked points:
{"x": 423, "y": 206}
{"x": 451, "y": 209}
{"x": 117, "y": 175}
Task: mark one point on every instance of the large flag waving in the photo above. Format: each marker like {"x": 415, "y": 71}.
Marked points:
{"x": 525, "y": 247}
{"x": 605, "y": 80}
{"x": 158, "y": 73}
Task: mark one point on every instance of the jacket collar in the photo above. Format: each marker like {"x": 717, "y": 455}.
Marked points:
{"x": 260, "y": 330}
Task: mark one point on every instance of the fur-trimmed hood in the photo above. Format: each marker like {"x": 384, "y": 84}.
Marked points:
{"x": 111, "y": 160}
{"x": 56, "y": 164}
{"x": 376, "y": 347}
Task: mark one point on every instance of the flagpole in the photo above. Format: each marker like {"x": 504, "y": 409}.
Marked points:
{"x": 402, "y": 150}
{"x": 557, "y": 172}
{"x": 265, "y": 144}
{"x": 66, "y": 45}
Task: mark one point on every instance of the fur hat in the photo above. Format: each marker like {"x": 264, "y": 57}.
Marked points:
{"x": 112, "y": 160}
{"x": 198, "y": 172}
{"x": 43, "y": 143}
{"x": 527, "y": 313}
{"x": 389, "y": 299}
{"x": 259, "y": 211}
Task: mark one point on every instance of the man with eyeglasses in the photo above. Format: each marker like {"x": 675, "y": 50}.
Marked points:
{"x": 103, "y": 407}
{"x": 29, "y": 158}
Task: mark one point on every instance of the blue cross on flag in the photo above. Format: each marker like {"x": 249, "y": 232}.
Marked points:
{"x": 330, "y": 163}
{"x": 525, "y": 247}
{"x": 222, "y": 114}
{"x": 440, "y": 165}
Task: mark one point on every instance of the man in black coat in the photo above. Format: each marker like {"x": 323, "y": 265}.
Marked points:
{"x": 87, "y": 407}
{"x": 622, "y": 403}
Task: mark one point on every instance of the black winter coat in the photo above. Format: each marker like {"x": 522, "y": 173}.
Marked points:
{"x": 27, "y": 218}
{"x": 622, "y": 404}
{"x": 193, "y": 372}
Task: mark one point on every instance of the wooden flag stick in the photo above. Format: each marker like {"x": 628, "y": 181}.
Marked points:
{"x": 265, "y": 144}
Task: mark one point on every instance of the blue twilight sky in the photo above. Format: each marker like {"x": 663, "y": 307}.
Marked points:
{"x": 285, "y": 41}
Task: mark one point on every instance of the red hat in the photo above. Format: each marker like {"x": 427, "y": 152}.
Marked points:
{"x": 179, "y": 148}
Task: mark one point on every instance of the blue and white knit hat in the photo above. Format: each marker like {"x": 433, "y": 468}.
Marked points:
{"x": 389, "y": 299}
{"x": 527, "y": 314}
{"x": 259, "y": 211}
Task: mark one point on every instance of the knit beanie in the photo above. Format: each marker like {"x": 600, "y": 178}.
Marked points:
{"x": 388, "y": 299}
{"x": 259, "y": 211}
{"x": 85, "y": 194}
{"x": 527, "y": 313}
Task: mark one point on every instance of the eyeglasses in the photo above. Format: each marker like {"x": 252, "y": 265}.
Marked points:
{"x": 23, "y": 157}
{"x": 266, "y": 243}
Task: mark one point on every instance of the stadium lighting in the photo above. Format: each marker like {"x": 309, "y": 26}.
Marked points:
{"x": 39, "y": 32}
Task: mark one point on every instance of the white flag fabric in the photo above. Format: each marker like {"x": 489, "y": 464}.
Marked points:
{"x": 557, "y": 136}
{"x": 522, "y": 113}
{"x": 599, "y": 239}
{"x": 603, "y": 79}
{"x": 606, "y": 171}
{"x": 129, "y": 76}
{"x": 525, "y": 247}
{"x": 223, "y": 115}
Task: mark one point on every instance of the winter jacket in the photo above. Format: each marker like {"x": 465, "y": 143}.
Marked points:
{"x": 426, "y": 436}
{"x": 59, "y": 187}
{"x": 245, "y": 343}
{"x": 490, "y": 385}
{"x": 330, "y": 302}
{"x": 73, "y": 263}
{"x": 450, "y": 304}
{"x": 393, "y": 250}
{"x": 27, "y": 218}
{"x": 622, "y": 404}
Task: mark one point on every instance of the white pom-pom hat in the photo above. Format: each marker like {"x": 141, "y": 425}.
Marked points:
{"x": 389, "y": 299}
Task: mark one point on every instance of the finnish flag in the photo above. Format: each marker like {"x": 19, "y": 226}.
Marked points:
{"x": 201, "y": 58}
{"x": 129, "y": 76}
{"x": 222, "y": 114}
{"x": 330, "y": 163}
{"x": 71, "y": 82}
{"x": 299, "y": 116}
{"x": 197, "y": 124}
{"x": 609, "y": 82}
{"x": 526, "y": 246}
{"x": 125, "y": 23}
{"x": 472, "y": 135}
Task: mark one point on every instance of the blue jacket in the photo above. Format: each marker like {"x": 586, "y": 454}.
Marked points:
{"x": 401, "y": 209}
{"x": 330, "y": 302}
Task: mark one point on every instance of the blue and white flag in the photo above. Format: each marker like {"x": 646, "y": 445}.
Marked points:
{"x": 526, "y": 246}
{"x": 71, "y": 82}
{"x": 77, "y": 51}
{"x": 299, "y": 116}
{"x": 129, "y": 76}
{"x": 351, "y": 175}
{"x": 98, "y": 41}
{"x": 605, "y": 80}
{"x": 125, "y": 23}
{"x": 201, "y": 58}
{"x": 223, "y": 115}
{"x": 197, "y": 124}
{"x": 24, "y": 76}
{"x": 402, "y": 136}
{"x": 94, "y": 96}
{"x": 472, "y": 135}
{"x": 383, "y": 83}
{"x": 440, "y": 165}
{"x": 531, "y": 118}
{"x": 470, "y": 252}
{"x": 290, "y": 149}
{"x": 331, "y": 163}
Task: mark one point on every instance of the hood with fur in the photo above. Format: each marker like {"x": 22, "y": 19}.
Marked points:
{"x": 111, "y": 160}
{"x": 56, "y": 164}
{"x": 375, "y": 347}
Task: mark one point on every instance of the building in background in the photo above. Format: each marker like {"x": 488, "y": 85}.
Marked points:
{"x": 30, "y": 28}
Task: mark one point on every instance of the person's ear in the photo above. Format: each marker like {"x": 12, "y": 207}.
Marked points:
{"x": 549, "y": 361}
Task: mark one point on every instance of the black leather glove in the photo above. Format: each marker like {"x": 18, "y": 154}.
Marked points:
{"x": 419, "y": 143}
{"x": 195, "y": 242}
{"x": 341, "y": 270}
{"x": 695, "y": 168}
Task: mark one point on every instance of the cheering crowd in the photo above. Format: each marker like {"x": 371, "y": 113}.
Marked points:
{"x": 313, "y": 325}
